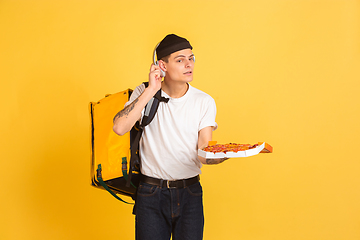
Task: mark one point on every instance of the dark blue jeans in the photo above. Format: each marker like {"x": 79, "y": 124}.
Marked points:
{"x": 161, "y": 212}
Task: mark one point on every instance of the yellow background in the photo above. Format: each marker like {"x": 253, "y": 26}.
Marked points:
{"x": 281, "y": 71}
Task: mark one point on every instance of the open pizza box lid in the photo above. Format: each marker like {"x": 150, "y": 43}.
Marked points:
{"x": 262, "y": 148}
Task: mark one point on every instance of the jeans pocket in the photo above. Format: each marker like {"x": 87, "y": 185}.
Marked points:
{"x": 147, "y": 190}
{"x": 195, "y": 189}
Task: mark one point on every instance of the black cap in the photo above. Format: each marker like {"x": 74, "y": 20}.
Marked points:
{"x": 170, "y": 44}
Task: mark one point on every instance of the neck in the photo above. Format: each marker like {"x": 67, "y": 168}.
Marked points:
{"x": 174, "y": 90}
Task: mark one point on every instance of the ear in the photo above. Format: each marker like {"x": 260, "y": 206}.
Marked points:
{"x": 162, "y": 65}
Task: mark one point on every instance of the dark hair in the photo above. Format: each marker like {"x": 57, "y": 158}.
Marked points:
{"x": 166, "y": 58}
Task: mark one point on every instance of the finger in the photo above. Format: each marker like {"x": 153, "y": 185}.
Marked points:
{"x": 154, "y": 67}
{"x": 223, "y": 159}
{"x": 156, "y": 73}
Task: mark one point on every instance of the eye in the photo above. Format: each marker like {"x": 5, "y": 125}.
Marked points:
{"x": 179, "y": 61}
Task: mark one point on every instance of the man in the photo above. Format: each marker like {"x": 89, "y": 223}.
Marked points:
{"x": 169, "y": 197}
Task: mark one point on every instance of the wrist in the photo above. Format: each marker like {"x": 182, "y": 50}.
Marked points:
{"x": 151, "y": 90}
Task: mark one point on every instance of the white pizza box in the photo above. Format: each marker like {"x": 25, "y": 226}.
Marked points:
{"x": 245, "y": 153}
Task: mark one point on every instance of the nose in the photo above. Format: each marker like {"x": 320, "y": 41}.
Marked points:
{"x": 188, "y": 63}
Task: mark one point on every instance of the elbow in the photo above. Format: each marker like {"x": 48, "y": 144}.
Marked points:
{"x": 118, "y": 130}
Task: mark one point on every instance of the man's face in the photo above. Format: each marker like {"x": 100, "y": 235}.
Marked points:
{"x": 180, "y": 66}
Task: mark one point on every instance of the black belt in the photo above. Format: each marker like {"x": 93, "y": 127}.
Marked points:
{"x": 170, "y": 183}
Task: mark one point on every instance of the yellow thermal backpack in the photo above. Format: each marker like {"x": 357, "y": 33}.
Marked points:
{"x": 115, "y": 162}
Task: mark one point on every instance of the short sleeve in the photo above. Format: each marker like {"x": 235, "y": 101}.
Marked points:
{"x": 208, "y": 114}
{"x": 135, "y": 94}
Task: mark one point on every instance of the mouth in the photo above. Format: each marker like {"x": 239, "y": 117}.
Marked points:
{"x": 188, "y": 73}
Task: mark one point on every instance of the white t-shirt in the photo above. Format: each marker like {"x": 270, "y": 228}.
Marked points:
{"x": 168, "y": 146}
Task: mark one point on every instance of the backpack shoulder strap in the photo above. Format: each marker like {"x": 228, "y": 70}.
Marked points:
{"x": 149, "y": 114}
{"x": 151, "y": 107}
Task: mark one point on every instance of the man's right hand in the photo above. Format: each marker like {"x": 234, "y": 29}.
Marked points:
{"x": 155, "y": 78}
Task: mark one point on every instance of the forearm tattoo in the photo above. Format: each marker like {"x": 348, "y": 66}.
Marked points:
{"x": 214, "y": 161}
{"x": 126, "y": 111}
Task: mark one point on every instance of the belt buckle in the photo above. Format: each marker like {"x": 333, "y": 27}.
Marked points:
{"x": 168, "y": 184}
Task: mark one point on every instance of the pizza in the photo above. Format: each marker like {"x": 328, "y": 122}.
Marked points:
{"x": 233, "y": 150}
{"x": 229, "y": 147}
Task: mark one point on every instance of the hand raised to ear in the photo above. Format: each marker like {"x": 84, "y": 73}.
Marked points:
{"x": 155, "y": 78}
